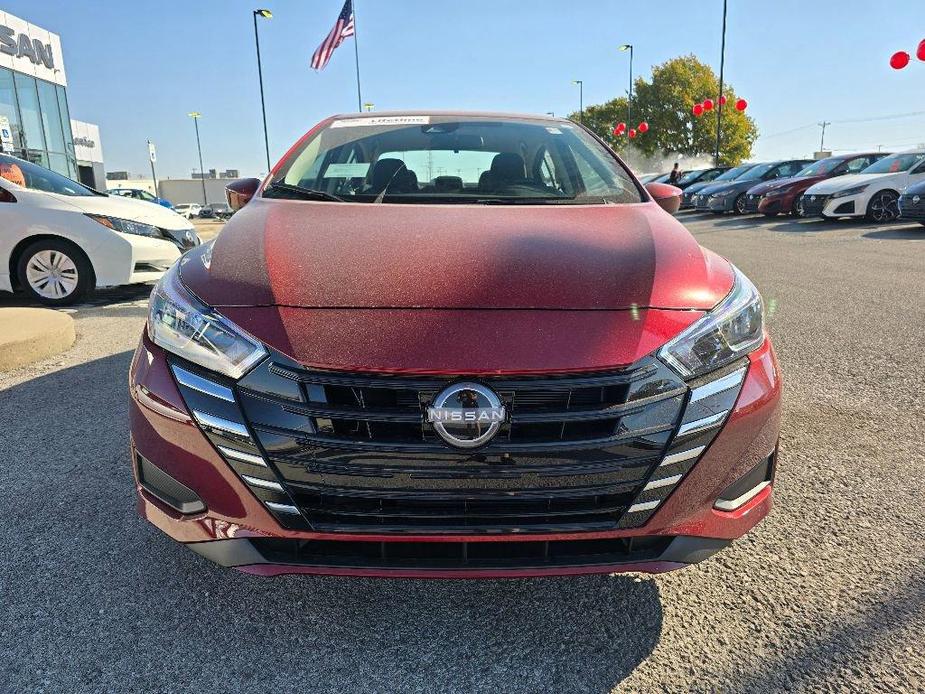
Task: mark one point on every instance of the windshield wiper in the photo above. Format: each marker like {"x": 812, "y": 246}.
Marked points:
{"x": 305, "y": 193}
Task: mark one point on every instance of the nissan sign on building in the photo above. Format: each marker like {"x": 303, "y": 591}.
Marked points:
{"x": 35, "y": 121}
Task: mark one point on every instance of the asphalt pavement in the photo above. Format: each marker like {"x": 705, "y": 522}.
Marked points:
{"x": 828, "y": 594}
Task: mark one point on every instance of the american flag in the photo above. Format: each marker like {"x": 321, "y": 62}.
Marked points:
{"x": 343, "y": 28}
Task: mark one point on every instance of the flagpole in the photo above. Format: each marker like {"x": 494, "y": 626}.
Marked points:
{"x": 356, "y": 55}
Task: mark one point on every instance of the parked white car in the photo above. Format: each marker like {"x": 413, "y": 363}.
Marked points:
{"x": 873, "y": 193}
{"x": 187, "y": 209}
{"x": 59, "y": 240}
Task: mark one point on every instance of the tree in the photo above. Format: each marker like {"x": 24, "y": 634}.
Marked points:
{"x": 665, "y": 103}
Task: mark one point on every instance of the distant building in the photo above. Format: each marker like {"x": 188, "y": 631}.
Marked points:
{"x": 230, "y": 173}
{"x": 117, "y": 175}
{"x": 211, "y": 173}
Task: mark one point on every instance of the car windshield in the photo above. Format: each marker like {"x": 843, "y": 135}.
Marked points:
{"x": 466, "y": 159}
{"x": 820, "y": 168}
{"x": 756, "y": 172}
{"x": 895, "y": 163}
{"x": 733, "y": 174}
{"x": 36, "y": 177}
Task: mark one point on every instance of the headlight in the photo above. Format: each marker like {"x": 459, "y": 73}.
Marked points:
{"x": 722, "y": 194}
{"x": 127, "y": 226}
{"x": 855, "y": 190}
{"x": 732, "y": 329}
{"x": 180, "y": 323}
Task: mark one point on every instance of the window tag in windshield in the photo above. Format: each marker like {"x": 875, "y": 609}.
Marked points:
{"x": 350, "y": 170}
{"x": 381, "y": 120}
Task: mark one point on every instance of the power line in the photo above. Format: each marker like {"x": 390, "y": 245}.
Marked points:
{"x": 892, "y": 116}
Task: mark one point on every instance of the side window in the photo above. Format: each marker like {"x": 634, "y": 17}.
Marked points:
{"x": 593, "y": 183}
{"x": 710, "y": 175}
{"x": 858, "y": 164}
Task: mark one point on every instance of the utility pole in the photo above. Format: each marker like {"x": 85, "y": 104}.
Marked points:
{"x": 195, "y": 115}
{"x": 822, "y": 141}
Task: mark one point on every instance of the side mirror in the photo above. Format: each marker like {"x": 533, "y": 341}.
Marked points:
{"x": 239, "y": 192}
{"x": 668, "y": 197}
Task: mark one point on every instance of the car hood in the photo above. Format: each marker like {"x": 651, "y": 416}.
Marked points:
{"x": 697, "y": 187}
{"x": 834, "y": 185}
{"x": 366, "y": 256}
{"x": 126, "y": 208}
{"x": 776, "y": 184}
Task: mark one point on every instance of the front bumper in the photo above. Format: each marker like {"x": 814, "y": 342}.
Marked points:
{"x": 912, "y": 208}
{"x": 819, "y": 205}
{"x": 776, "y": 204}
{"x": 240, "y": 523}
{"x": 720, "y": 204}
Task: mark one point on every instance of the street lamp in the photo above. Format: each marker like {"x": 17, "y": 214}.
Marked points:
{"x": 719, "y": 105}
{"x": 629, "y": 101}
{"x": 369, "y": 106}
{"x": 581, "y": 99}
{"x": 266, "y": 14}
{"x": 195, "y": 115}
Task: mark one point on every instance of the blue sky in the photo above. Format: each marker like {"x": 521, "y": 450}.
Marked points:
{"x": 137, "y": 68}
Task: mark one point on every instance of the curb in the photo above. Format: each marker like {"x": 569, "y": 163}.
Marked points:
{"x": 30, "y": 334}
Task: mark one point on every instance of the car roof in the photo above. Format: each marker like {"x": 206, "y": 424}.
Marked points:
{"x": 452, "y": 114}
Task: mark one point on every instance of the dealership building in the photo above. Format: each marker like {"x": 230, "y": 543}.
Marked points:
{"x": 35, "y": 120}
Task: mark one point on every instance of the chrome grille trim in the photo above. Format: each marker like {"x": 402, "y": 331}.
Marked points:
{"x": 682, "y": 456}
{"x": 241, "y": 456}
{"x": 647, "y": 506}
{"x": 718, "y": 386}
{"x": 282, "y": 508}
{"x": 702, "y": 424}
{"x": 203, "y": 385}
{"x": 213, "y": 422}
{"x": 664, "y": 482}
{"x": 263, "y": 484}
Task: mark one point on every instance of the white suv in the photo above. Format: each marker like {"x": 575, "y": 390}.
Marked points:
{"x": 873, "y": 193}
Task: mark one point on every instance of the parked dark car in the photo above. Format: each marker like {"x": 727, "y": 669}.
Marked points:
{"x": 218, "y": 210}
{"x": 782, "y": 196}
{"x": 731, "y": 196}
{"x": 912, "y": 204}
{"x": 689, "y": 178}
{"x": 696, "y": 195}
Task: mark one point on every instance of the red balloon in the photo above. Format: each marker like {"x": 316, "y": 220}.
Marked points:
{"x": 722, "y": 100}
{"x": 643, "y": 127}
{"x": 900, "y": 59}
{"x": 632, "y": 132}
{"x": 920, "y": 52}
{"x": 621, "y": 127}
{"x": 698, "y": 109}
{"x": 617, "y": 132}
{"x": 741, "y": 105}
{"x": 708, "y": 105}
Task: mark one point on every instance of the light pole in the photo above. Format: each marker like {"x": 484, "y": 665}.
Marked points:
{"x": 581, "y": 99}
{"x": 369, "y": 106}
{"x": 266, "y": 14}
{"x": 151, "y": 157}
{"x": 195, "y": 115}
{"x": 551, "y": 114}
{"x": 629, "y": 101}
{"x": 719, "y": 104}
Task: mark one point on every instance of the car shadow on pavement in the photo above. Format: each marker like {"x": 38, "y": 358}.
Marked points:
{"x": 911, "y": 233}
{"x": 111, "y": 297}
{"x": 97, "y": 599}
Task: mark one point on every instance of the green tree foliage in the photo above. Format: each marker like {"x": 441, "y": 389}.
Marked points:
{"x": 665, "y": 103}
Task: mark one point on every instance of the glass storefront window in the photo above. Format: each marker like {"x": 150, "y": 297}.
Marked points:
{"x": 28, "y": 96}
{"x": 51, "y": 118}
{"x": 9, "y": 107}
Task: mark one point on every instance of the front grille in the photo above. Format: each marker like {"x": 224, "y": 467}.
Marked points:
{"x": 814, "y": 204}
{"x": 346, "y": 452}
{"x": 751, "y": 203}
{"x": 357, "y": 454}
{"x": 912, "y": 207}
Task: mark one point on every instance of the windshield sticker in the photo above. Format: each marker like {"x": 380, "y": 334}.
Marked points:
{"x": 554, "y": 131}
{"x": 352, "y": 170}
{"x": 382, "y": 120}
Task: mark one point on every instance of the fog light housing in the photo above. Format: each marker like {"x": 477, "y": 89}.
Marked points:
{"x": 748, "y": 486}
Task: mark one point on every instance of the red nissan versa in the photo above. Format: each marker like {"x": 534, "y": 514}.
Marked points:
{"x": 446, "y": 344}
